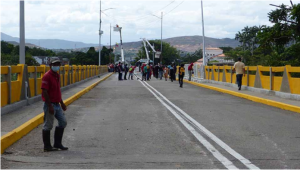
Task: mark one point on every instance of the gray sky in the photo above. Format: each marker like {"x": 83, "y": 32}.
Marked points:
{"x": 79, "y": 20}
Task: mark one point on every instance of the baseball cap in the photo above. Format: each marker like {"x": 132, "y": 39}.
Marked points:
{"x": 54, "y": 60}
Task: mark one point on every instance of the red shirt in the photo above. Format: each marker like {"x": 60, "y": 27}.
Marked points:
{"x": 51, "y": 83}
{"x": 190, "y": 67}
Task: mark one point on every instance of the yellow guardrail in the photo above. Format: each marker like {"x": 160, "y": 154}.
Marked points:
{"x": 259, "y": 77}
{"x": 28, "y": 79}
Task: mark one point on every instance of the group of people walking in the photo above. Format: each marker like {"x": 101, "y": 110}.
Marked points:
{"x": 159, "y": 71}
{"x": 126, "y": 70}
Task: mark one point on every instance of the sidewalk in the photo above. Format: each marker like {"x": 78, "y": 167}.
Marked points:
{"x": 16, "y": 118}
{"x": 268, "y": 99}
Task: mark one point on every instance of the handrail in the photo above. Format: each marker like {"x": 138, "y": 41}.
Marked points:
{"x": 15, "y": 90}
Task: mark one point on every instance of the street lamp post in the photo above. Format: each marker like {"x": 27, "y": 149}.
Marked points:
{"x": 22, "y": 33}
{"x": 161, "y": 18}
{"x": 203, "y": 36}
{"x": 101, "y": 32}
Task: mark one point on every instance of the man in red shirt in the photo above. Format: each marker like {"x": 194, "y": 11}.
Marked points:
{"x": 53, "y": 107}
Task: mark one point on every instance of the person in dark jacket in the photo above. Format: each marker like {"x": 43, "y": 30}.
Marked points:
{"x": 126, "y": 71}
{"x": 156, "y": 71}
{"x": 181, "y": 74}
{"x": 172, "y": 72}
{"x": 160, "y": 71}
{"x": 175, "y": 71}
{"x": 120, "y": 69}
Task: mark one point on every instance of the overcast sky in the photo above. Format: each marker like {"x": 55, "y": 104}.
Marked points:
{"x": 79, "y": 20}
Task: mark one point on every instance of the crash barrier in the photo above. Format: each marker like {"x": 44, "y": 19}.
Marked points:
{"x": 22, "y": 82}
{"x": 282, "y": 79}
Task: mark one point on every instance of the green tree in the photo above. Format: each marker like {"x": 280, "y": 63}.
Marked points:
{"x": 170, "y": 54}
{"x": 6, "y": 48}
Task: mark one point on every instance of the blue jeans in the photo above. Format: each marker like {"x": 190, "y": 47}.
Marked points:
{"x": 160, "y": 74}
{"x": 49, "y": 118}
{"x": 239, "y": 79}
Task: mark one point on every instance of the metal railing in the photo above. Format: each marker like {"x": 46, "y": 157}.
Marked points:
{"x": 29, "y": 79}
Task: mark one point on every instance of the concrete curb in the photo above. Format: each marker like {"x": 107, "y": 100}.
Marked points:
{"x": 16, "y": 134}
{"x": 249, "y": 97}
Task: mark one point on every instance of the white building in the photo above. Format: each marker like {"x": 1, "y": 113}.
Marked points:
{"x": 221, "y": 58}
{"x": 211, "y": 52}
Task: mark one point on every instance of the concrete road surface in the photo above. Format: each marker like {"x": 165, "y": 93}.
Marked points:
{"x": 157, "y": 124}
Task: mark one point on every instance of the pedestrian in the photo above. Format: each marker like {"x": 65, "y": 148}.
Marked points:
{"x": 151, "y": 71}
{"x": 116, "y": 68}
{"x": 111, "y": 67}
{"x": 156, "y": 71}
{"x": 181, "y": 74}
{"x": 148, "y": 72}
{"x": 131, "y": 70}
{"x": 166, "y": 73}
{"x": 160, "y": 71}
{"x": 175, "y": 71}
{"x": 53, "y": 107}
{"x": 120, "y": 69}
{"x": 190, "y": 70}
{"x": 239, "y": 68}
{"x": 172, "y": 72}
{"x": 145, "y": 72}
{"x": 126, "y": 71}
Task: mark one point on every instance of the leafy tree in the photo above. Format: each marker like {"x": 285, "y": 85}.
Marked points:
{"x": 6, "y": 48}
{"x": 170, "y": 54}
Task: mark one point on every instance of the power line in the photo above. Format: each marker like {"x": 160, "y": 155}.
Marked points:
{"x": 145, "y": 16}
{"x": 174, "y": 8}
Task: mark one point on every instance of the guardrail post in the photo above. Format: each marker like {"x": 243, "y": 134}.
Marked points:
{"x": 208, "y": 72}
{"x": 231, "y": 74}
{"x": 68, "y": 81}
{"x": 271, "y": 79}
{"x": 71, "y": 71}
{"x": 8, "y": 79}
{"x": 63, "y": 75}
{"x": 86, "y": 72}
{"x": 35, "y": 81}
{"x": 247, "y": 76}
{"x": 218, "y": 73}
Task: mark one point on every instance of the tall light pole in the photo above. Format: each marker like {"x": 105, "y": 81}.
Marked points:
{"x": 22, "y": 33}
{"x": 100, "y": 33}
{"x": 161, "y": 18}
{"x": 161, "y": 38}
{"x": 110, "y": 43}
{"x": 203, "y": 36}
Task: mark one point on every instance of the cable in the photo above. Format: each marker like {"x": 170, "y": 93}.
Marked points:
{"x": 145, "y": 16}
{"x": 174, "y": 8}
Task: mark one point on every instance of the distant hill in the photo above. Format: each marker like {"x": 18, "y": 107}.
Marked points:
{"x": 49, "y": 43}
{"x": 26, "y": 44}
{"x": 183, "y": 43}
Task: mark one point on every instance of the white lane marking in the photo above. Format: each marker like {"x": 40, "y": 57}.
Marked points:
{"x": 242, "y": 159}
{"x": 227, "y": 163}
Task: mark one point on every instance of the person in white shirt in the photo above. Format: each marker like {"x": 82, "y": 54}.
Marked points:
{"x": 239, "y": 68}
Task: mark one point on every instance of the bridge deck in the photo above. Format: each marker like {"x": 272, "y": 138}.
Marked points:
{"x": 127, "y": 124}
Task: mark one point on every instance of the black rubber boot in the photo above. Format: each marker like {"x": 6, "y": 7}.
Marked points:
{"x": 47, "y": 142}
{"x": 58, "y": 138}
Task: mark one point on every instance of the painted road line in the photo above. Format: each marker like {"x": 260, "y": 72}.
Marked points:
{"x": 252, "y": 98}
{"x": 242, "y": 159}
{"x": 16, "y": 134}
{"x": 227, "y": 163}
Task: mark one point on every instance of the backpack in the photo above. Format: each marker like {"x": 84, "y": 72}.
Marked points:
{"x": 130, "y": 69}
